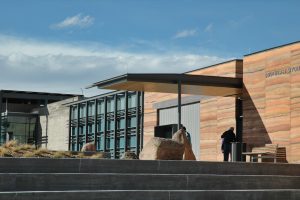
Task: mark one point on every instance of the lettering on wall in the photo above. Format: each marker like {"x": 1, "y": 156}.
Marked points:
{"x": 287, "y": 70}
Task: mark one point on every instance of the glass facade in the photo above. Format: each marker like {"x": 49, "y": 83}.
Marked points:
{"x": 18, "y": 126}
{"x": 113, "y": 121}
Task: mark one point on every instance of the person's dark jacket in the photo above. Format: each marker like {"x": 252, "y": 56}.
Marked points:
{"x": 228, "y": 136}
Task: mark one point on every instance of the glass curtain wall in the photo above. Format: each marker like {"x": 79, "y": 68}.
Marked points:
{"x": 113, "y": 121}
{"x": 20, "y": 127}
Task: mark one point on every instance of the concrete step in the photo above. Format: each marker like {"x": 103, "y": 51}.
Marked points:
{"x": 94, "y": 181}
{"x": 155, "y": 195}
{"x": 42, "y": 165}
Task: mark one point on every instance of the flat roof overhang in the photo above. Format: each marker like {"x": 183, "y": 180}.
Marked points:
{"x": 168, "y": 83}
{"x": 15, "y": 94}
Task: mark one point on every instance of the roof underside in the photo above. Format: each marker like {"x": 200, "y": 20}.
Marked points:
{"x": 15, "y": 94}
{"x": 168, "y": 83}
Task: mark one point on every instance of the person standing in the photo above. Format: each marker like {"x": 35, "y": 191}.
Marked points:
{"x": 227, "y": 137}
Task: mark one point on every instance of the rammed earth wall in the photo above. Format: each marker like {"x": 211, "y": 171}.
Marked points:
{"x": 272, "y": 99}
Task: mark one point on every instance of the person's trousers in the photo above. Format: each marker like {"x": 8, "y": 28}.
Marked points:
{"x": 227, "y": 151}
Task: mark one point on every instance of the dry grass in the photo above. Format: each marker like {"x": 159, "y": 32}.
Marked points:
{"x": 14, "y": 149}
{"x": 62, "y": 154}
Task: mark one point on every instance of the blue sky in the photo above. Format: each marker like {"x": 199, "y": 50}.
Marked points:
{"x": 64, "y": 45}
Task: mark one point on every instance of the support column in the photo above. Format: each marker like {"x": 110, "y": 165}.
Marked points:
{"x": 1, "y": 99}
{"x": 179, "y": 104}
{"x": 239, "y": 119}
{"x": 126, "y": 123}
{"x": 86, "y": 122}
{"x": 47, "y": 121}
{"x": 239, "y": 129}
{"x": 70, "y": 128}
{"x": 78, "y": 122}
{"x": 115, "y": 124}
{"x": 105, "y": 123}
{"x": 142, "y": 122}
{"x": 96, "y": 124}
{"x": 137, "y": 130}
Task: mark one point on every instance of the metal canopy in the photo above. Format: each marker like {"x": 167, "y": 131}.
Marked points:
{"x": 174, "y": 83}
{"x": 168, "y": 83}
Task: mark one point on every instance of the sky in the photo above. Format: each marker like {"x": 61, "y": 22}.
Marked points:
{"x": 62, "y": 46}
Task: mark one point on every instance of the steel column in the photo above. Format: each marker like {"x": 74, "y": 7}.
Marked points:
{"x": 179, "y": 105}
{"x": 86, "y": 122}
{"x": 239, "y": 129}
{"x": 1, "y": 99}
{"x": 142, "y": 122}
{"x": 115, "y": 124}
{"x": 105, "y": 126}
{"x": 70, "y": 127}
{"x": 125, "y": 119}
{"x": 239, "y": 118}
{"x": 47, "y": 120}
{"x": 137, "y": 130}
{"x": 78, "y": 122}
{"x": 96, "y": 124}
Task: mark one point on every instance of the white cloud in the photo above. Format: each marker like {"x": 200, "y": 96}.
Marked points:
{"x": 185, "y": 33}
{"x": 208, "y": 28}
{"x": 236, "y": 23}
{"x": 27, "y": 64}
{"x": 75, "y": 21}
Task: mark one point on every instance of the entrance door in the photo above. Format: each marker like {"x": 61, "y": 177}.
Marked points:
{"x": 190, "y": 118}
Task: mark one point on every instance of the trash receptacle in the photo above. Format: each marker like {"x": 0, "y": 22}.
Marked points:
{"x": 236, "y": 151}
{"x": 233, "y": 155}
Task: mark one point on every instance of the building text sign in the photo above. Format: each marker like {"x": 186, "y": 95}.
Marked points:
{"x": 279, "y": 72}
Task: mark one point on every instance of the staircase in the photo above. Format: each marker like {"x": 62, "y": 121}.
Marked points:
{"x": 45, "y": 179}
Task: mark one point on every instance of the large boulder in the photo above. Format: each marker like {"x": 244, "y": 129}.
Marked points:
{"x": 180, "y": 136}
{"x": 89, "y": 147}
{"x": 162, "y": 149}
{"x": 177, "y": 148}
{"x": 188, "y": 152}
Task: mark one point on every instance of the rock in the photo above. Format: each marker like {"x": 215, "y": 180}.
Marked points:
{"x": 162, "y": 149}
{"x": 129, "y": 155}
{"x": 177, "y": 148}
{"x": 188, "y": 152}
{"x": 89, "y": 147}
{"x": 180, "y": 136}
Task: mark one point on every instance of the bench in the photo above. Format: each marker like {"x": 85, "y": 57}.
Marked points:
{"x": 269, "y": 151}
